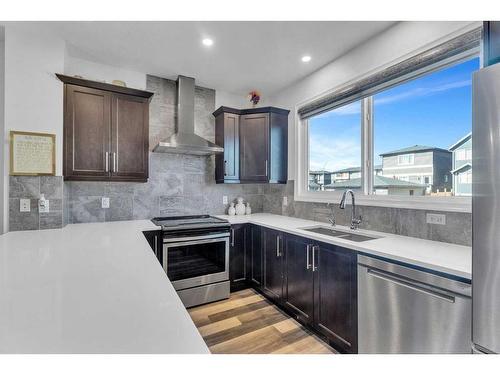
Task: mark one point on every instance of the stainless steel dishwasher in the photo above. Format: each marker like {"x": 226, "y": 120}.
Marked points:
{"x": 405, "y": 310}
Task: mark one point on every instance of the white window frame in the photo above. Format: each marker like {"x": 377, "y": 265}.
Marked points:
{"x": 369, "y": 198}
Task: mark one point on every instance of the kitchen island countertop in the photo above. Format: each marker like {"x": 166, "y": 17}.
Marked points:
{"x": 89, "y": 288}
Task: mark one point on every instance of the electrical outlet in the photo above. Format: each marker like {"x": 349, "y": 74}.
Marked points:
{"x": 224, "y": 199}
{"x": 439, "y": 219}
{"x": 285, "y": 201}
{"x": 43, "y": 205}
{"x": 24, "y": 205}
{"x": 104, "y": 202}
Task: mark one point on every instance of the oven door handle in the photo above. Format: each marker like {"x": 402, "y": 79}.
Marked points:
{"x": 195, "y": 238}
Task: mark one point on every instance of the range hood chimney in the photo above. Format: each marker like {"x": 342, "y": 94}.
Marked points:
{"x": 185, "y": 141}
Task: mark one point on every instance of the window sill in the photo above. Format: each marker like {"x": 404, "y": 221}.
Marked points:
{"x": 446, "y": 204}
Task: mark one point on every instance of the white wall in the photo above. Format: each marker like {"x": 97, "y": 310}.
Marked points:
{"x": 393, "y": 45}
{"x": 100, "y": 72}
{"x": 33, "y": 94}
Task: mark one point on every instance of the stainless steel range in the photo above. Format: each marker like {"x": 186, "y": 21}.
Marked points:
{"x": 196, "y": 256}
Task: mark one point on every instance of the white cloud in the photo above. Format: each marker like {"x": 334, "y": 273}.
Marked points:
{"x": 422, "y": 91}
{"x": 334, "y": 153}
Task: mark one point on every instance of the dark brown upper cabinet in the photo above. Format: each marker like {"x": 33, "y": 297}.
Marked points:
{"x": 255, "y": 145}
{"x": 227, "y": 135}
{"x": 106, "y": 131}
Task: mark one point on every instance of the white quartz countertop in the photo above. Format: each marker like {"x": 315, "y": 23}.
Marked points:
{"x": 89, "y": 288}
{"x": 443, "y": 257}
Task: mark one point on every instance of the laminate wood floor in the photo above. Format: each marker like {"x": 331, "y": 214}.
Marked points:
{"x": 247, "y": 323}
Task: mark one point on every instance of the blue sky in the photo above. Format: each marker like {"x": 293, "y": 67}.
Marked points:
{"x": 434, "y": 110}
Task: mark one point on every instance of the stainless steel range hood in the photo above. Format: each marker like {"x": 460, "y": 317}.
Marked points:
{"x": 185, "y": 141}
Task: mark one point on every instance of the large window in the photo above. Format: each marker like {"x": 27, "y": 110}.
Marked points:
{"x": 414, "y": 138}
{"x": 335, "y": 149}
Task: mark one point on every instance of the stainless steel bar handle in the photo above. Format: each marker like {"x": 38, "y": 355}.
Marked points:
{"x": 278, "y": 246}
{"x": 232, "y": 237}
{"x": 107, "y": 161}
{"x": 114, "y": 161}
{"x": 409, "y": 285}
{"x": 308, "y": 263}
{"x": 156, "y": 245}
{"x": 266, "y": 169}
{"x": 225, "y": 167}
{"x": 195, "y": 238}
{"x": 314, "y": 248}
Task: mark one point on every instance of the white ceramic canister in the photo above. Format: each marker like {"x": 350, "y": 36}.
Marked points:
{"x": 248, "y": 209}
{"x": 231, "y": 211}
{"x": 240, "y": 207}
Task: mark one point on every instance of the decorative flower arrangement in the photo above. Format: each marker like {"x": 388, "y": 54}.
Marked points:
{"x": 254, "y": 97}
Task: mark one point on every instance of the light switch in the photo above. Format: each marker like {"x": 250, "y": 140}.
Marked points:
{"x": 24, "y": 205}
{"x": 224, "y": 199}
{"x": 104, "y": 202}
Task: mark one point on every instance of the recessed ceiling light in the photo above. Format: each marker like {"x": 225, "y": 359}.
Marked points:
{"x": 306, "y": 58}
{"x": 207, "y": 42}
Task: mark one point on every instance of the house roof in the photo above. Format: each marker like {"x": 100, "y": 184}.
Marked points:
{"x": 411, "y": 149}
{"x": 356, "y": 169}
{"x": 378, "y": 182}
{"x": 462, "y": 168}
{"x": 320, "y": 172}
{"x": 461, "y": 141}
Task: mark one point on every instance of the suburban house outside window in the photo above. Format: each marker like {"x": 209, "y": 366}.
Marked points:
{"x": 411, "y": 138}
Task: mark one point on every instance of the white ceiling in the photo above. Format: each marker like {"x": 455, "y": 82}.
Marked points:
{"x": 246, "y": 55}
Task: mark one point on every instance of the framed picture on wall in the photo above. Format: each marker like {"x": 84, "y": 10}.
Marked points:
{"x": 32, "y": 154}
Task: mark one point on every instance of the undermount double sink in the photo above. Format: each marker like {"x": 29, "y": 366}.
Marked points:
{"x": 350, "y": 236}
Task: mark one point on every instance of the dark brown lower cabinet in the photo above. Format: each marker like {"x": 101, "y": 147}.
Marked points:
{"x": 273, "y": 270}
{"x": 237, "y": 257}
{"x": 254, "y": 254}
{"x": 335, "y": 295}
{"x": 314, "y": 282}
{"x": 298, "y": 285}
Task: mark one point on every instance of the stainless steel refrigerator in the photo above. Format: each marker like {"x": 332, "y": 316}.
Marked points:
{"x": 486, "y": 211}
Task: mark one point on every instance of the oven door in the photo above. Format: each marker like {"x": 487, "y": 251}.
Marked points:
{"x": 198, "y": 260}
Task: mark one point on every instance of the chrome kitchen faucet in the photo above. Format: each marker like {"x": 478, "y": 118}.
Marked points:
{"x": 354, "y": 221}
{"x": 331, "y": 218}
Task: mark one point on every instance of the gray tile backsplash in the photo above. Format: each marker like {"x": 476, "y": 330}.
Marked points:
{"x": 405, "y": 222}
{"x": 186, "y": 186}
{"x": 30, "y": 187}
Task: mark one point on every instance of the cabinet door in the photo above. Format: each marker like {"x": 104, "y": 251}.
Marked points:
{"x": 254, "y": 143}
{"x": 254, "y": 243}
{"x": 237, "y": 257}
{"x": 227, "y": 135}
{"x": 87, "y": 120}
{"x": 278, "y": 166}
{"x": 273, "y": 270}
{"x": 298, "y": 291}
{"x": 336, "y": 295}
{"x": 130, "y": 138}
